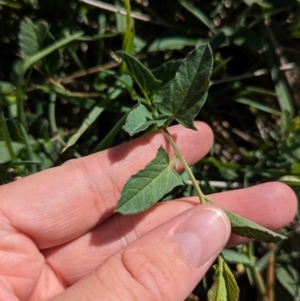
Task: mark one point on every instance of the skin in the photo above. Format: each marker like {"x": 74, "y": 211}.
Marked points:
{"x": 60, "y": 237}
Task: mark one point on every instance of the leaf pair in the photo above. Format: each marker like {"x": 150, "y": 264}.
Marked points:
{"x": 183, "y": 95}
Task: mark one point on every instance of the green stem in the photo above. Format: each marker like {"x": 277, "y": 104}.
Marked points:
{"x": 6, "y": 137}
{"x": 51, "y": 113}
{"x": 146, "y": 97}
{"x": 261, "y": 287}
{"x": 169, "y": 121}
{"x": 203, "y": 199}
{"x": 32, "y": 167}
{"x": 128, "y": 39}
{"x": 128, "y": 17}
{"x": 20, "y": 106}
{"x": 47, "y": 50}
{"x": 108, "y": 138}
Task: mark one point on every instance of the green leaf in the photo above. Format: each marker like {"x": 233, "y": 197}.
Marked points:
{"x": 11, "y": 4}
{"x": 142, "y": 75}
{"x": 218, "y": 290}
{"x": 288, "y": 276}
{"x": 231, "y": 285}
{"x": 6, "y": 88}
{"x": 224, "y": 287}
{"x": 200, "y": 15}
{"x": 31, "y": 37}
{"x": 139, "y": 119}
{"x": 23, "y": 66}
{"x": 167, "y": 71}
{"x": 188, "y": 90}
{"x": 88, "y": 121}
{"x": 54, "y": 60}
{"x": 236, "y": 257}
{"x": 262, "y": 3}
{"x": 33, "y": 3}
{"x": 244, "y": 227}
{"x": 259, "y": 106}
{"x": 8, "y": 153}
{"x": 173, "y": 43}
{"x": 10, "y": 129}
{"x": 5, "y": 155}
{"x": 290, "y": 180}
{"x": 149, "y": 185}
{"x": 285, "y": 99}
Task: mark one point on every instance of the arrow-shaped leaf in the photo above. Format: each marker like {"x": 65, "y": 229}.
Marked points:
{"x": 149, "y": 185}
{"x": 188, "y": 90}
{"x": 244, "y": 227}
{"x": 142, "y": 75}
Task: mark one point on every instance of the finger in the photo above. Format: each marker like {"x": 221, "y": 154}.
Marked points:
{"x": 62, "y": 203}
{"x": 165, "y": 264}
{"x": 272, "y": 205}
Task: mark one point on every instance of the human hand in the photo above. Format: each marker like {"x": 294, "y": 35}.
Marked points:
{"x": 60, "y": 237}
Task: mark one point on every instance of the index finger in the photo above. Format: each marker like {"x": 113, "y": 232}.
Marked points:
{"x": 62, "y": 203}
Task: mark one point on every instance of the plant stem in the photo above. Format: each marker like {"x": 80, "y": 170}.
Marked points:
{"x": 33, "y": 167}
{"x": 49, "y": 49}
{"x": 20, "y": 106}
{"x": 113, "y": 132}
{"x": 178, "y": 154}
{"x": 128, "y": 12}
{"x": 148, "y": 101}
{"x": 51, "y": 113}
{"x": 169, "y": 121}
{"x": 270, "y": 277}
{"x": 6, "y": 137}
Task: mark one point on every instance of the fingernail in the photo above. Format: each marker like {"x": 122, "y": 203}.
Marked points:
{"x": 203, "y": 235}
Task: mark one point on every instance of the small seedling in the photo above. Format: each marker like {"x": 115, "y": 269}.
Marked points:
{"x": 177, "y": 91}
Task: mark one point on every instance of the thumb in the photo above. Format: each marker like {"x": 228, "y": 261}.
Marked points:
{"x": 165, "y": 264}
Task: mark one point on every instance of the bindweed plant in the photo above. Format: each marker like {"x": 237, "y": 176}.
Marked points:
{"x": 176, "y": 92}
{"x": 62, "y": 89}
